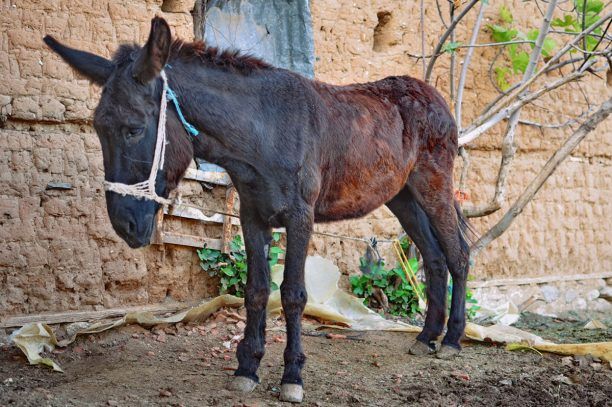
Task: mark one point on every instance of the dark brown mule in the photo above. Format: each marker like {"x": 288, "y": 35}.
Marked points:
{"x": 298, "y": 152}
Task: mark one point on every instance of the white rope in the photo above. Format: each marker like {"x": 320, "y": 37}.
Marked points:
{"x": 146, "y": 189}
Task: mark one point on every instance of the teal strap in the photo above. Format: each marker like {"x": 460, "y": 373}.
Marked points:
{"x": 188, "y": 126}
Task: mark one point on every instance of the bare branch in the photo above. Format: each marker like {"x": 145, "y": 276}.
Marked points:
{"x": 465, "y": 157}
{"x": 507, "y": 99}
{"x": 440, "y": 14}
{"x": 487, "y": 44}
{"x": 588, "y": 53}
{"x": 607, "y": 37}
{"x": 566, "y": 123}
{"x": 508, "y": 144}
{"x": 466, "y": 64}
{"x": 445, "y": 36}
{"x": 504, "y": 113}
{"x": 561, "y": 154}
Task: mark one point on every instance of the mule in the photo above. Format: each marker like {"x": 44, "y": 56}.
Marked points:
{"x": 298, "y": 151}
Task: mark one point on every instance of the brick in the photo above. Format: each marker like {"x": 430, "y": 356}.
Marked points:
{"x": 26, "y": 107}
{"x": 9, "y": 208}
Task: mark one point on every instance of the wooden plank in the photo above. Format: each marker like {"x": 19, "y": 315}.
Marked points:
{"x": 189, "y": 212}
{"x": 212, "y": 177}
{"x": 537, "y": 280}
{"x": 81, "y": 316}
{"x": 156, "y": 238}
{"x": 230, "y": 199}
{"x": 191, "y": 241}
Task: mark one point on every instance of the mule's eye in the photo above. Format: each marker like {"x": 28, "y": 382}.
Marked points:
{"x": 136, "y": 131}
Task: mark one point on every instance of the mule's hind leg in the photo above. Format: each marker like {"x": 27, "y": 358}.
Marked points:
{"x": 416, "y": 224}
{"x": 251, "y": 348}
{"x": 434, "y": 192}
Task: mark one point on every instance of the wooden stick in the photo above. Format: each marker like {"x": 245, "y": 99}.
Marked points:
{"x": 230, "y": 199}
{"x": 411, "y": 276}
{"x": 83, "y": 316}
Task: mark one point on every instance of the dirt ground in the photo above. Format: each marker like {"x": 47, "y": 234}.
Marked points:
{"x": 190, "y": 366}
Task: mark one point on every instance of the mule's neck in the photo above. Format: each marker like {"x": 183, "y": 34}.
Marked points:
{"x": 220, "y": 103}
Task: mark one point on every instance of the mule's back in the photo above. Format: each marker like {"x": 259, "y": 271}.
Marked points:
{"x": 373, "y": 136}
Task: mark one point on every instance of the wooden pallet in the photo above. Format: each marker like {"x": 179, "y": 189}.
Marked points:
{"x": 160, "y": 236}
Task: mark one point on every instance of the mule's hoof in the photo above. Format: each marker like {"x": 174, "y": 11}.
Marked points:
{"x": 242, "y": 384}
{"x": 419, "y": 348}
{"x": 447, "y": 352}
{"x": 293, "y": 393}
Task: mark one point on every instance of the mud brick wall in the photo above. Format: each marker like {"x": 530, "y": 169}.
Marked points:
{"x": 57, "y": 248}
{"x": 59, "y": 252}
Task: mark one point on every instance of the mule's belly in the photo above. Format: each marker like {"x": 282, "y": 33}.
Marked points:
{"x": 357, "y": 195}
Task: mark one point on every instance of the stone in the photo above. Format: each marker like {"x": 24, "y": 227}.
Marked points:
{"x": 606, "y": 293}
{"x": 52, "y": 109}
{"x": 550, "y": 293}
{"x": 570, "y": 295}
{"x": 580, "y": 304}
{"x": 26, "y": 107}
{"x": 592, "y": 295}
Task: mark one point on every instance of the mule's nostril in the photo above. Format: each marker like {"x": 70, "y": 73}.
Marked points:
{"x": 131, "y": 227}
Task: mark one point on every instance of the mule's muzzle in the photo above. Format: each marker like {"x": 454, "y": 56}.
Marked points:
{"x": 132, "y": 219}
{"x": 136, "y": 231}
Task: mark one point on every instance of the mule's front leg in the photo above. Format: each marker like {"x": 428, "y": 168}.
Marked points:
{"x": 293, "y": 296}
{"x": 251, "y": 349}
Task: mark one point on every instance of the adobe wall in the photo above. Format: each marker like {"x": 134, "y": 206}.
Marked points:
{"x": 57, "y": 248}
{"x": 59, "y": 252}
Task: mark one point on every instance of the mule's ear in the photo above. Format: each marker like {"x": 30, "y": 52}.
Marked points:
{"x": 154, "y": 54}
{"x": 93, "y": 67}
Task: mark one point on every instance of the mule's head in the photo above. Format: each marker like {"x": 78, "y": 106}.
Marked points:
{"x": 126, "y": 122}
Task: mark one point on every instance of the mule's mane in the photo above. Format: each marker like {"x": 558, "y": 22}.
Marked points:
{"x": 230, "y": 59}
{"x": 213, "y": 56}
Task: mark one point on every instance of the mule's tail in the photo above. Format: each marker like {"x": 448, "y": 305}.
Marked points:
{"x": 468, "y": 233}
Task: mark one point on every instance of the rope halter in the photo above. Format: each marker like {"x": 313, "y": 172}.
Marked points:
{"x": 146, "y": 189}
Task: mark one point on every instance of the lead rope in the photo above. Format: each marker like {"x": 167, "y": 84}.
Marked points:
{"x": 146, "y": 189}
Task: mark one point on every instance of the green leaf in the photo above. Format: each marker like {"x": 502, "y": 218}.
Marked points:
{"x": 276, "y": 250}
{"x": 593, "y": 6}
{"x": 591, "y": 42}
{"x": 228, "y": 271}
{"x": 236, "y": 244}
{"x": 505, "y": 14}
{"x": 569, "y": 20}
{"x": 451, "y": 46}
{"x": 382, "y": 283}
{"x": 276, "y": 236}
{"x": 501, "y": 73}
{"x": 502, "y": 34}
{"x": 520, "y": 61}
{"x": 590, "y": 19}
{"x": 547, "y": 46}
{"x": 273, "y": 286}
